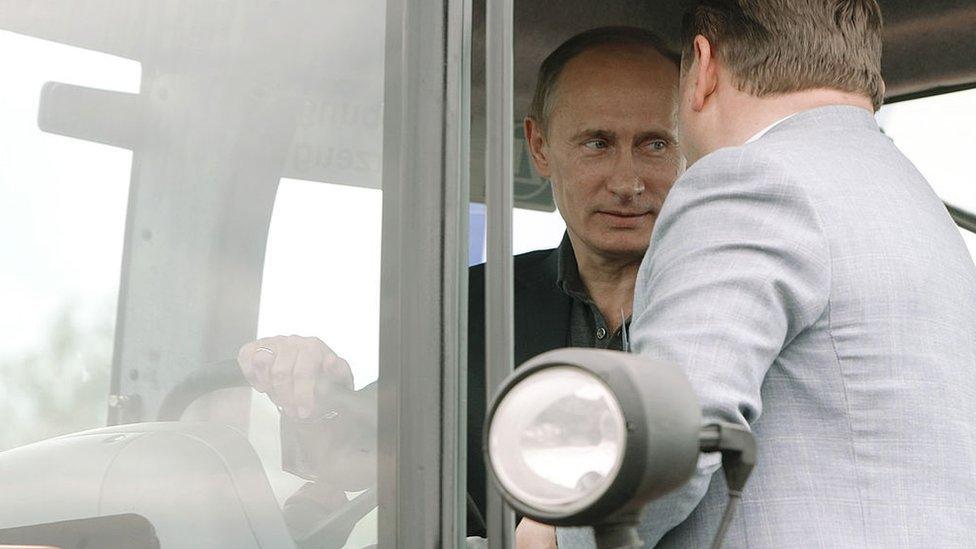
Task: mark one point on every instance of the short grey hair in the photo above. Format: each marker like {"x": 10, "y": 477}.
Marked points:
{"x": 780, "y": 46}
{"x": 552, "y": 67}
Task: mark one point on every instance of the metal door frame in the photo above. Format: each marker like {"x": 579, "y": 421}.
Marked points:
{"x": 499, "y": 198}
{"x": 423, "y": 310}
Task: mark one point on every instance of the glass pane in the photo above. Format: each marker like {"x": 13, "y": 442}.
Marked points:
{"x": 62, "y": 219}
{"x": 535, "y": 230}
{"x": 531, "y": 230}
{"x": 177, "y": 180}
{"x": 938, "y": 135}
{"x": 304, "y": 293}
{"x": 536, "y": 225}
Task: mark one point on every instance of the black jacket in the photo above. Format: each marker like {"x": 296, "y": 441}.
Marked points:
{"x": 542, "y": 314}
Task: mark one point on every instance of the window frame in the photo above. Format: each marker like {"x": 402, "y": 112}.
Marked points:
{"x": 422, "y": 381}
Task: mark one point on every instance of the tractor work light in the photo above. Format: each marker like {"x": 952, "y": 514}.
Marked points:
{"x": 586, "y": 437}
{"x": 570, "y": 434}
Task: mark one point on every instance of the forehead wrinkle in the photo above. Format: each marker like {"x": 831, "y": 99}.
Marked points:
{"x": 618, "y": 59}
{"x": 630, "y": 106}
{"x": 605, "y": 101}
{"x": 614, "y": 121}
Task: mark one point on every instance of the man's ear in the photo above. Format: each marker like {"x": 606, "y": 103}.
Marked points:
{"x": 535, "y": 139}
{"x": 704, "y": 72}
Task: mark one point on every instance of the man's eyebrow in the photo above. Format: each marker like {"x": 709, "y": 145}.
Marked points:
{"x": 655, "y": 134}
{"x": 593, "y": 133}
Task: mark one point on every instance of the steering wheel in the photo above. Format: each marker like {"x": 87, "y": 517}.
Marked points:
{"x": 226, "y": 374}
{"x": 334, "y": 527}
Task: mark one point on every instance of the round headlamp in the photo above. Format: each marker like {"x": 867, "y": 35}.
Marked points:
{"x": 576, "y": 435}
{"x": 558, "y": 439}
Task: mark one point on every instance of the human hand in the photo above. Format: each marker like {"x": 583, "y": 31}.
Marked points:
{"x": 287, "y": 368}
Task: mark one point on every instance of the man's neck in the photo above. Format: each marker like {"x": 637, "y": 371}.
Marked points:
{"x": 746, "y": 114}
{"x": 609, "y": 280}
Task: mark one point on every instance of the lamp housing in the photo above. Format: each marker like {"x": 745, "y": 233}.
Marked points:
{"x": 635, "y": 421}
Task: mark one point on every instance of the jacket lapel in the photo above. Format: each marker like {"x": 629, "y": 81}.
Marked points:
{"x": 541, "y": 311}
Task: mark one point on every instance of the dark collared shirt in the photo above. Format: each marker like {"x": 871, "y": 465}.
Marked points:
{"x": 587, "y": 325}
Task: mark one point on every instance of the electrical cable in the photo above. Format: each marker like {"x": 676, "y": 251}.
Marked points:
{"x": 723, "y": 528}
{"x": 738, "y": 448}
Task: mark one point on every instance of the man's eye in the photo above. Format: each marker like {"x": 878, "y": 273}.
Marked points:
{"x": 657, "y": 145}
{"x": 596, "y": 144}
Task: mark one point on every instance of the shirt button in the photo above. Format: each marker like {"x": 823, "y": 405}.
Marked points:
{"x": 601, "y": 332}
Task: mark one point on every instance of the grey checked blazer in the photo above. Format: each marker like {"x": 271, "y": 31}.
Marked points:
{"x": 813, "y": 287}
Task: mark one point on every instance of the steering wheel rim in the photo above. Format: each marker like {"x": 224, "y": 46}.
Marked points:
{"x": 223, "y": 374}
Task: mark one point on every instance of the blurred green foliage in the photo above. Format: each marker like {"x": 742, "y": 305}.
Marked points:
{"x": 60, "y": 386}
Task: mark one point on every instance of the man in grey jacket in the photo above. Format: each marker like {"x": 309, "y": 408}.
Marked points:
{"x": 813, "y": 288}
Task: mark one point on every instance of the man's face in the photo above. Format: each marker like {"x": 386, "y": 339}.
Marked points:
{"x": 610, "y": 149}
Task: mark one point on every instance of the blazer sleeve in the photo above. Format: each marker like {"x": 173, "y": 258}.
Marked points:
{"x": 738, "y": 266}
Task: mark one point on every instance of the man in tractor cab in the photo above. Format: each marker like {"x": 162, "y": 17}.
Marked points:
{"x": 813, "y": 288}
{"x": 602, "y": 130}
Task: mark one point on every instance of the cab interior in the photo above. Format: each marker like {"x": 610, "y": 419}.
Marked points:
{"x": 228, "y": 101}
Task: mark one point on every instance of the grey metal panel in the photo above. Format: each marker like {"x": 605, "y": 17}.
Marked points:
{"x": 965, "y": 220}
{"x": 927, "y": 44}
{"x": 455, "y": 327}
{"x": 499, "y": 336}
{"x": 422, "y": 288}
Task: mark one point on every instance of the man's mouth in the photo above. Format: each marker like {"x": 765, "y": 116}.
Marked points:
{"x": 624, "y": 219}
{"x": 624, "y": 214}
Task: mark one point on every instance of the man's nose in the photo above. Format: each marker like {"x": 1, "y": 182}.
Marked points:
{"x": 625, "y": 181}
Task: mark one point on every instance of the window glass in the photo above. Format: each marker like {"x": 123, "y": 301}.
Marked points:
{"x": 536, "y": 230}
{"x": 322, "y": 279}
{"x": 62, "y": 218}
{"x": 531, "y": 230}
{"x": 176, "y": 180}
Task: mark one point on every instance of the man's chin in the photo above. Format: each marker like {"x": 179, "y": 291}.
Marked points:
{"x": 628, "y": 244}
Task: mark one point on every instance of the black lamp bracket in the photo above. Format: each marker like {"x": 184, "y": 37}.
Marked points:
{"x": 738, "y": 447}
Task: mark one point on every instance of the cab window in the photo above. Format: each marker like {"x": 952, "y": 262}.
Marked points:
{"x": 937, "y": 134}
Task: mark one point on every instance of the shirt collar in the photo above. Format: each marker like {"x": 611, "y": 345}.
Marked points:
{"x": 763, "y": 131}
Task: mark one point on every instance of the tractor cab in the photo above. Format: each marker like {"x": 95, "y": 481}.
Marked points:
{"x": 180, "y": 178}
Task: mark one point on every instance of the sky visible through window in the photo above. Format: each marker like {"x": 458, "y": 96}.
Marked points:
{"x": 938, "y": 134}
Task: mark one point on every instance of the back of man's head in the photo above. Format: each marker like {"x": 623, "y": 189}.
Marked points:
{"x": 551, "y": 69}
{"x": 780, "y": 46}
